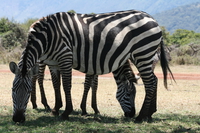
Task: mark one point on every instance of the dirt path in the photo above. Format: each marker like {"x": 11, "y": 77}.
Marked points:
{"x": 159, "y": 75}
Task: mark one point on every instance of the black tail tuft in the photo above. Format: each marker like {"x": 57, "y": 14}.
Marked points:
{"x": 164, "y": 64}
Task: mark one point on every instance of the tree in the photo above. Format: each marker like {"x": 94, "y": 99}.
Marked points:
{"x": 166, "y": 35}
{"x": 182, "y": 37}
{"x": 4, "y": 26}
{"x": 71, "y": 11}
{"x": 12, "y": 34}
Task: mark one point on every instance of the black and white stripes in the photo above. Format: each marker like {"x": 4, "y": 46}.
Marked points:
{"x": 96, "y": 44}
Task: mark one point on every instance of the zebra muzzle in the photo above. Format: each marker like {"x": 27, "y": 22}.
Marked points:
{"x": 19, "y": 116}
{"x": 130, "y": 114}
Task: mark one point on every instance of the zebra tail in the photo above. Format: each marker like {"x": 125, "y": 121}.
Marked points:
{"x": 164, "y": 65}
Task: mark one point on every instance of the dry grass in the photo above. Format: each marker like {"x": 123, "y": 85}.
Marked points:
{"x": 183, "y": 97}
{"x": 178, "y": 109}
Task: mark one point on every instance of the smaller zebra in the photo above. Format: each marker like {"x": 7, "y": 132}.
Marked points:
{"x": 125, "y": 73}
{"x": 90, "y": 81}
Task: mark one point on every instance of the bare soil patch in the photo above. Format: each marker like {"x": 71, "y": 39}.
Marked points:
{"x": 182, "y": 76}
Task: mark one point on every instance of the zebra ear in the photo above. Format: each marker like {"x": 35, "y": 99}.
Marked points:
{"x": 34, "y": 70}
{"x": 14, "y": 68}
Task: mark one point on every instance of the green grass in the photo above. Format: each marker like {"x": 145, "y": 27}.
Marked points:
{"x": 38, "y": 121}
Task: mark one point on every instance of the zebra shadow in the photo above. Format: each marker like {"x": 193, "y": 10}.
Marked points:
{"x": 75, "y": 116}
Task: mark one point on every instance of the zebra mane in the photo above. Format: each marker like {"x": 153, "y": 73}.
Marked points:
{"x": 24, "y": 61}
{"x": 36, "y": 22}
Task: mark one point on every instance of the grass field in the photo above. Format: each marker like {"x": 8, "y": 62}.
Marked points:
{"x": 178, "y": 109}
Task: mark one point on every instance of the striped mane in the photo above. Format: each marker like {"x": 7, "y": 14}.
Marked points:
{"x": 24, "y": 61}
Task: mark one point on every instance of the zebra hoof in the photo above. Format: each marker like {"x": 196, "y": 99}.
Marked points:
{"x": 64, "y": 117}
{"x": 54, "y": 112}
{"x": 138, "y": 120}
{"x": 150, "y": 119}
{"x": 48, "y": 109}
{"x": 35, "y": 107}
{"x": 97, "y": 113}
{"x": 85, "y": 114}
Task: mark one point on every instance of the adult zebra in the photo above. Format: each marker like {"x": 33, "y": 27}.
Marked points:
{"x": 93, "y": 44}
{"x": 90, "y": 81}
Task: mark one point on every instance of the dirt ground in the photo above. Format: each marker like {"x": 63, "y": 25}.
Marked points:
{"x": 182, "y": 76}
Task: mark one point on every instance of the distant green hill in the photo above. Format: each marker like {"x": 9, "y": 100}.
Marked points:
{"x": 184, "y": 17}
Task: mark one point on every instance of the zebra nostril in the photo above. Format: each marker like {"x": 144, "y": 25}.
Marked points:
{"x": 19, "y": 116}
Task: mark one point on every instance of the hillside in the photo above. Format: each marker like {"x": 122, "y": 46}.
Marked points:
{"x": 184, "y": 17}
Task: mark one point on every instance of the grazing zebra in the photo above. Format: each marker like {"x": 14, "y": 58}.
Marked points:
{"x": 93, "y": 44}
{"x": 90, "y": 81}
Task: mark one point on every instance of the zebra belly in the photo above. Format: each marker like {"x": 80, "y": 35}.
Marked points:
{"x": 96, "y": 67}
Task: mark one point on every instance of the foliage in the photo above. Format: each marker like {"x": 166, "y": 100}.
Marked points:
{"x": 4, "y": 25}
{"x": 12, "y": 34}
{"x": 182, "y": 37}
{"x": 71, "y": 11}
{"x": 166, "y": 35}
{"x": 26, "y": 25}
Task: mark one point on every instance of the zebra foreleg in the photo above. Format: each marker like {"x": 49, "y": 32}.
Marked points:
{"x": 66, "y": 72}
{"x": 87, "y": 84}
{"x": 40, "y": 82}
{"x": 55, "y": 75}
{"x": 94, "y": 93}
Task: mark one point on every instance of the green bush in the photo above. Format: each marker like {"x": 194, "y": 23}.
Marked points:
{"x": 12, "y": 34}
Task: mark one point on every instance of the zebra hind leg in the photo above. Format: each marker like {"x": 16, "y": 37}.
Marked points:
{"x": 149, "y": 104}
{"x": 55, "y": 75}
{"x": 41, "y": 86}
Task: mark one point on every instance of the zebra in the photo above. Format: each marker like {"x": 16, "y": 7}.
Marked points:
{"x": 90, "y": 81}
{"x": 93, "y": 44}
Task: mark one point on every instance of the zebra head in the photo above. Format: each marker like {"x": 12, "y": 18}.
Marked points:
{"x": 21, "y": 90}
{"x": 124, "y": 78}
{"x": 126, "y": 97}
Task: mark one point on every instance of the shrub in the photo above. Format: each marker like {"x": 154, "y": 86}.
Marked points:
{"x": 12, "y": 34}
{"x": 185, "y": 55}
{"x": 13, "y": 55}
{"x": 185, "y": 60}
